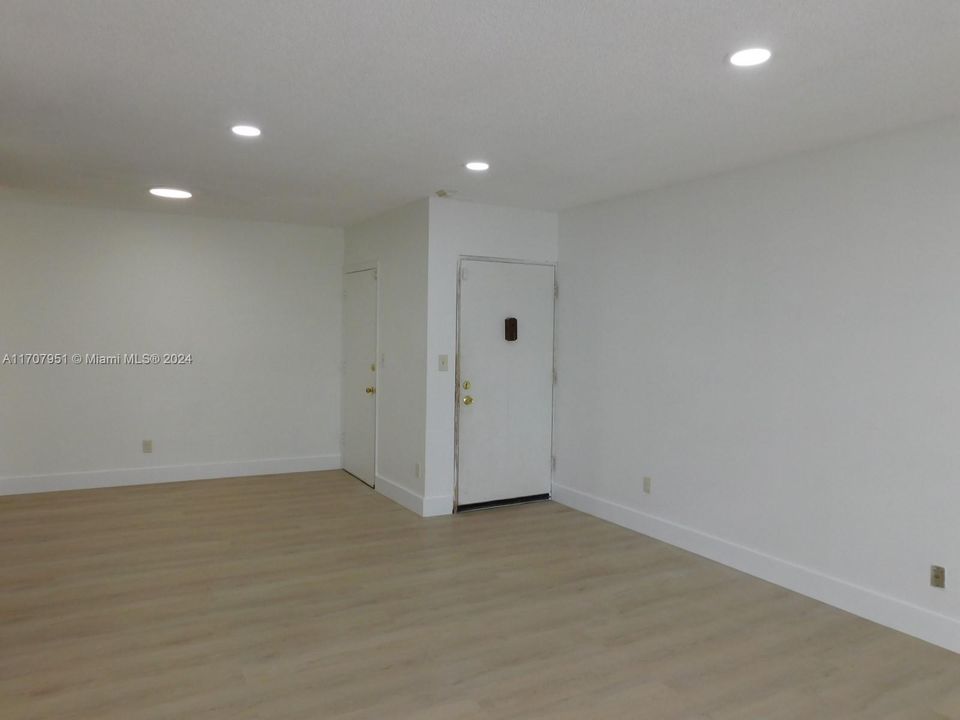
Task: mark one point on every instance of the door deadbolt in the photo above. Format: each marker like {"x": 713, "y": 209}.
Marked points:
{"x": 371, "y": 390}
{"x": 466, "y": 385}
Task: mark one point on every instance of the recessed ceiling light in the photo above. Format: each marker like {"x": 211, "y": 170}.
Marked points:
{"x": 750, "y": 57}
{"x": 478, "y": 166}
{"x": 171, "y": 193}
{"x": 249, "y": 131}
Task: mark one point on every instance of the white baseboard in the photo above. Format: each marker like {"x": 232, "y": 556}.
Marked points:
{"x": 400, "y": 495}
{"x": 898, "y": 614}
{"x": 164, "y": 474}
{"x": 436, "y": 505}
{"x": 430, "y": 506}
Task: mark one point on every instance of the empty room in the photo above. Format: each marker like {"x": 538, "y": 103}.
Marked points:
{"x": 479, "y": 359}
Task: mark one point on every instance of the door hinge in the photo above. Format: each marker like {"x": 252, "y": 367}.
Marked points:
{"x": 553, "y": 462}
{"x": 554, "y": 376}
{"x": 463, "y": 274}
{"x": 556, "y": 289}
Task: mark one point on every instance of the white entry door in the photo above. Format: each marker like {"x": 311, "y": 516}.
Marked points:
{"x": 360, "y": 374}
{"x": 505, "y": 393}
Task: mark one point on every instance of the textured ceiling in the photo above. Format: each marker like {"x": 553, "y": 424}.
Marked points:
{"x": 367, "y": 104}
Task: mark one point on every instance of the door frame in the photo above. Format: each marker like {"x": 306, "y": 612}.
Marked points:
{"x": 456, "y": 395}
{"x": 350, "y": 269}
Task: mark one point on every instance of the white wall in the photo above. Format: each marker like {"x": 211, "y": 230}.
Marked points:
{"x": 257, "y": 305}
{"x": 456, "y": 229}
{"x": 778, "y": 349}
{"x": 397, "y": 242}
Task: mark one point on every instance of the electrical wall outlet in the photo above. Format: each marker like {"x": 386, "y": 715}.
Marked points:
{"x": 938, "y": 576}
{"x": 148, "y": 446}
{"x": 647, "y": 485}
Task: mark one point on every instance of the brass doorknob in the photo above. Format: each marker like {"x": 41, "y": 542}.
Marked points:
{"x": 468, "y": 400}
{"x": 371, "y": 390}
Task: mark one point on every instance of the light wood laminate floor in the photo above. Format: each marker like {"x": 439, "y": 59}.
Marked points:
{"x": 309, "y": 596}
